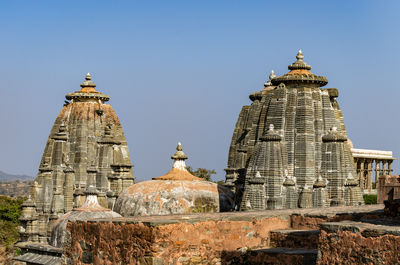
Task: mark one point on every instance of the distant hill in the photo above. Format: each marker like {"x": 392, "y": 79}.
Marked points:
{"x": 5, "y": 177}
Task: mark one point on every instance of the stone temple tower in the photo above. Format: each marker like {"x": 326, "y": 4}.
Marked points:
{"x": 86, "y": 146}
{"x": 289, "y": 147}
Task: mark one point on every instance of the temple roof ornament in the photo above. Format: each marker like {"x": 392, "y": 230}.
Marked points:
{"x": 271, "y": 75}
{"x": 300, "y": 74}
{"x": 87, "y": 92}
{"x": 270, "y": 135}
{"x": 319, "y": 183}
{"x": 179, "y": 155}
{"x": 351, "y": 181}
{"x": 179, "y": 171}
{"x": 289, "y": 181}
{"x": 299, "y": 64}
{"x": 88, "y": 81}
{"x": 334, "y": 136}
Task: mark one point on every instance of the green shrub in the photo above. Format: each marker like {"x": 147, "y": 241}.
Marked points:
{"x": 8, "y": 233}
{"x": 370, "y": 198}
{"x": 10, "y": 211}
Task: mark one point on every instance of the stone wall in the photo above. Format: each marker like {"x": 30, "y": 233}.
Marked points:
{"x": 388, "y": 187}
{"x": 359, "y": 243}
{"x": 217, "y": 238}
{"x": 127, "y": 243}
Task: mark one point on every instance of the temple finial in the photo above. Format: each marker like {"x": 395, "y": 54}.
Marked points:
{"x": 88, "y": 81}
{"x": 300, "y": 55}
{"x": 272, "y": 75}
{"x": 299, "y": 64}
{"x": 179, "y": 155}
{"x": 271, "y": 127}
{"x": 179, "y": 158}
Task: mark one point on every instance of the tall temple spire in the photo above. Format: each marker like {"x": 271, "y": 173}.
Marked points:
{"x": 86, "y": 146}
{"x": 301, "y": 113}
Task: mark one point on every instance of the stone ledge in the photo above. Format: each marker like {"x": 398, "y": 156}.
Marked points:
{"x": 287, "y": 251}
{"x": 366, "y": 229}
{"x": 40, "y": 247}
{"x": 323, "y": 213}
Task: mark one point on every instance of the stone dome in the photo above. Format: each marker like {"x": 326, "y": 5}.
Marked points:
{"x": 177, "y": 192}
{"x": 90, "y": 209}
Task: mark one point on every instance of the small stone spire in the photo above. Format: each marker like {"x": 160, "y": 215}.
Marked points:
{"x": 319, "y": 183}
{"x": 299, "y": 64}
{"x": 300, "y": 55}
{"x": 88, "y": 92}
{"x": 88, "y": 81}
{"x": 270, "y": 135}
{"x": 271, "y": 75}
{"x": 300, "y": 73}
{"x": 179, "y": 158}
{"x": 179, "y": 171}
{"x": 91, "y": 198}
{"x": 350, "y": 181}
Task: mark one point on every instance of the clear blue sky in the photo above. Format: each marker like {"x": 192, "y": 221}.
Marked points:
{"x": 181, "y": 70}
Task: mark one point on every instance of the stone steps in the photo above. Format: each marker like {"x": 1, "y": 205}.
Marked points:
{"x": 295, "y": 239}
{"x": 295, "y": 247}
{"x": 281, "y": 256}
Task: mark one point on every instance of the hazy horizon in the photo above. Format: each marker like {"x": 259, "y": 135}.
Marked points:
{"x": 181, "y": 71}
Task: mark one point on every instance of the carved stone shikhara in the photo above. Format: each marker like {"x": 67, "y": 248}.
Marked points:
{"x": 304, "y": 158}
{"x": 86, "y": 147}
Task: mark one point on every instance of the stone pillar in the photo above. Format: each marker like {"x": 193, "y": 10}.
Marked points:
{"x": 361, "y": 174}
{"x": 377, "y": 169}
{"x": 69, "y": 189}
{"x": 291, "y": 195}
{"x": 352, "y": 193}
{"x": 390, "y": 167}
{"x": 79, "y": 197}
{"x": 258, "y": 200}
{"x": 305, "y": 198}
{"x": 320, "y": 194}
{"x": 369, "y": 174}
{"x": 231, "y": 177}
{"x": 28, "y": 221}
{"x": 383, "y": 170}
{"x": 355, "y": 160}
{"x": 91, "y": 175}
